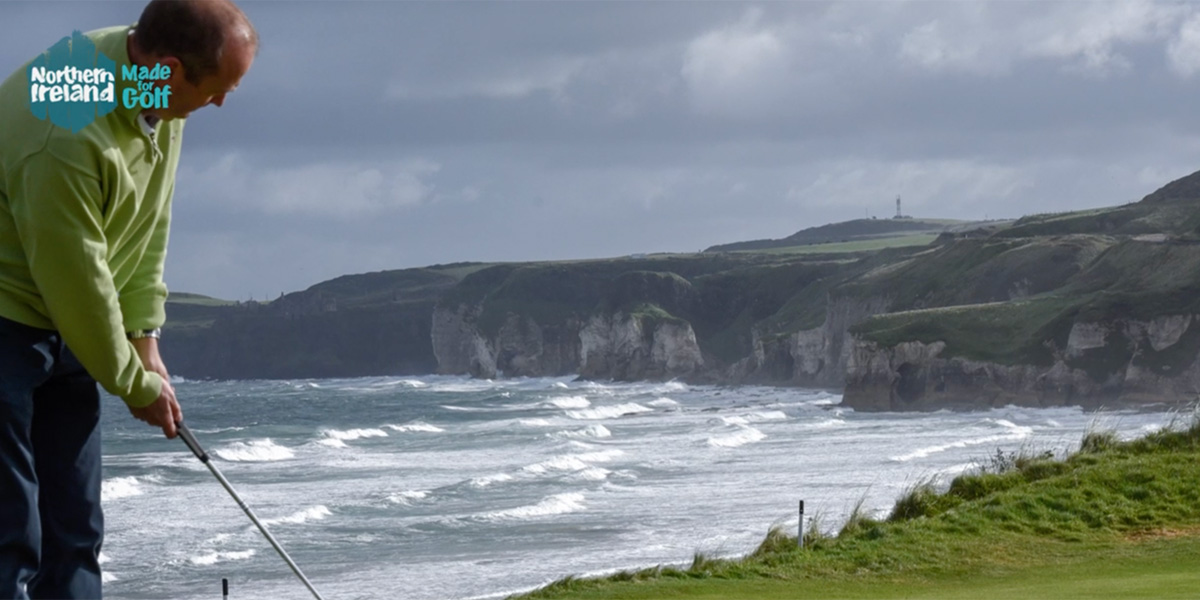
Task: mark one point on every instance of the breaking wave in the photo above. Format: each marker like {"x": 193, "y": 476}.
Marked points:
{"x": 120, "y": 487}
{"x": 608, "y": 412}
{"x": 744, "y": 435}
{"x": 570, "y": 402}
{"x": 315, "y": 513}
{"x": 254, "y": 451}
{"x": 415, "y": 426}
{"x": 213, "y": 558}
{"x": 554, "y": 505}
{"x": 1015, "y": 432}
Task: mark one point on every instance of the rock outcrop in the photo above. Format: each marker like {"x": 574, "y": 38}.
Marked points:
{"x": 1119, "y": 362}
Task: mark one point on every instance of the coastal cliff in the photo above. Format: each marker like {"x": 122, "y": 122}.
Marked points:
{"x": 1091, "y": 308}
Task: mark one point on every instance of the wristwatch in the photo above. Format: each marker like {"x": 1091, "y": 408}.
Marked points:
{"x": 138, "y": 334}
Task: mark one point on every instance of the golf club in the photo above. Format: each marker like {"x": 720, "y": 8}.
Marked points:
{"x": 194, "y": 446}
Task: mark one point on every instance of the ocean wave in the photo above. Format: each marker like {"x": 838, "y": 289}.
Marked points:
{"x": 213, "y": 558}
{"x": 557, "y": 504}
{"x": 825, "y": 424}
{"x": 592, "y": 474}
{"x": 106, "y": 577}
{"x": 558, "y": 385}
{"x": 570, "y": 402}
{"x": 663, "y": 403}
{"x": 407, "y": 498}
{"x": 409, "y": 383}
{"x": 1015, "y": 432}
{"x": 589, "y": 432}
{"x": 767, "y": 415}
{"x": 568, "y": 462}
{"x": 608, "y": 412}
{"x": 346, "y": 435}
{"x": 120, "y": 487}
{"x": 490, "y": 479}
{"x": 254, "y": 451}
{"x": 744, "y": 435}
{"x": 218, "y": 430}
{"x": 315, "y": 513}
{"x": 572, "y": 462}
{"x": 534, "y": 423}
{"x": 416, "y": 426}
{"x": 103, "y": 558}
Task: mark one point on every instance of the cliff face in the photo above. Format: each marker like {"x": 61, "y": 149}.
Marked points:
{"x": 815, "y": 357}
{"x": 1103, "y": 363}
{"x": 629, "y": 347}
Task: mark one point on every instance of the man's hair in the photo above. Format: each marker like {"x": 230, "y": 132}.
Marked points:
{"x": 194, "y": 31}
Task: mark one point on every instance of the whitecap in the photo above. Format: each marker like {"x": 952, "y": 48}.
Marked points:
{"x": 407, "y": 498}
{"x": 767, "y": 415}
{"x": 570, "y": 402}
{"x": 592, "y": 474}
{"x": 315, "y": 513}
{"x": 608, "y": 412}
{"x": 559, "y": 385}
{"x": 410, "y": 383}
{"x": 490, "y": 479}
{"x": 213, "y": 558}
{"x": 120, "y": 487}
{"x": 415, "y": 426}
{"x": 332, "y": 443}
{"x": 106, "y": 577}
{"x": 254, "y": 451}
{"x": 663, "y": 403}
{"x": 1016, "y": 432}
{"x": 554, "y": 505}
{"x": 559, "y": 463}
{"x": 103, "y": 558}
{"x": 347, "y": 435}
{"x": 533, "y": 422}
{"x": 744, "y": 435}
{"x": 589, "y": 432}
{"x": 735, "y": 421}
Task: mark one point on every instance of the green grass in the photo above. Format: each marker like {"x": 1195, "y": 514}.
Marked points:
{"x": 922, "y": 239}
{"x": 1115, "y": 520}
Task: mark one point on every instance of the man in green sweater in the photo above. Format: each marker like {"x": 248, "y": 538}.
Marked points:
{"x": 84, "y": 218}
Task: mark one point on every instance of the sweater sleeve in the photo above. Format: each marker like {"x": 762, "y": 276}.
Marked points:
{"x": 57, "y": 207}
{"x": 143, "y": 299}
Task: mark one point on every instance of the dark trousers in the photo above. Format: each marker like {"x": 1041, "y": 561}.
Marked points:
{"x": 51, "y": 525}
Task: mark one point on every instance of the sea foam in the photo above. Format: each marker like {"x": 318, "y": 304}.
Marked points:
{"x": 1015, "y": 432}
{"x": 570, "y": 402}
{"x": 744, "y": 435}
{"x": 213, "y": 558}
{"x": 315, "y": 513}
{"x": 416, "y": 426}
{"x": 254, "y": 451}
{"x": 554, "y": 505}
{"x": 608, "y": 412}
{"x": 120, "y": 487}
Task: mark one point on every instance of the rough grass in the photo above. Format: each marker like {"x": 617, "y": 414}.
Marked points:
{"x": 923, "y": 239}
{"x": 1023, "y": 520}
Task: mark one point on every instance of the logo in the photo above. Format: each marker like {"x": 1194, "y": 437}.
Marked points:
{"x": 73, "y": 84}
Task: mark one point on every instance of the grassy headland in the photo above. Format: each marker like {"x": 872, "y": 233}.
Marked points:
{"x": 1114, "y": 520}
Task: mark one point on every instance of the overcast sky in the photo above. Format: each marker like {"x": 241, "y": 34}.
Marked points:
{"x": 383, "y": 135}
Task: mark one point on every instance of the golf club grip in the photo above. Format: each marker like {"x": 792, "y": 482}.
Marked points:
{"x": 190, "y": 440}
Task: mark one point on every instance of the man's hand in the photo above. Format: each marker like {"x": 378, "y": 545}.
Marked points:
{"x": 165, "y": 410}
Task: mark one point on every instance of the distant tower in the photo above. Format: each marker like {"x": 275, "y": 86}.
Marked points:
{"x": 899, "y": 215}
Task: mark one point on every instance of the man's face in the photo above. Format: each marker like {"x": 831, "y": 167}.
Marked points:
{"x": 212, "y": 89}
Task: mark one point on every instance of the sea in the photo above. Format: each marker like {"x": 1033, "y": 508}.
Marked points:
{"x": 443, "y": 487}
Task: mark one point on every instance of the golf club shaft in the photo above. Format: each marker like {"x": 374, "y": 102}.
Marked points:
{"x": 194, "y": 446}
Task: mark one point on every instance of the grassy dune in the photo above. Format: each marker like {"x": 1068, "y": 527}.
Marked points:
{"x": 1115, "y": 520}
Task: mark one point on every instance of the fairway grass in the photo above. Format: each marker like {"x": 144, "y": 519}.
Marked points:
{"x": 921, "y": 239}
{"x": 1115, "y": 520}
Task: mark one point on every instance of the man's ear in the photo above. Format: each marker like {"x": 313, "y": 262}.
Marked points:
{"x": 177, "y": 70}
